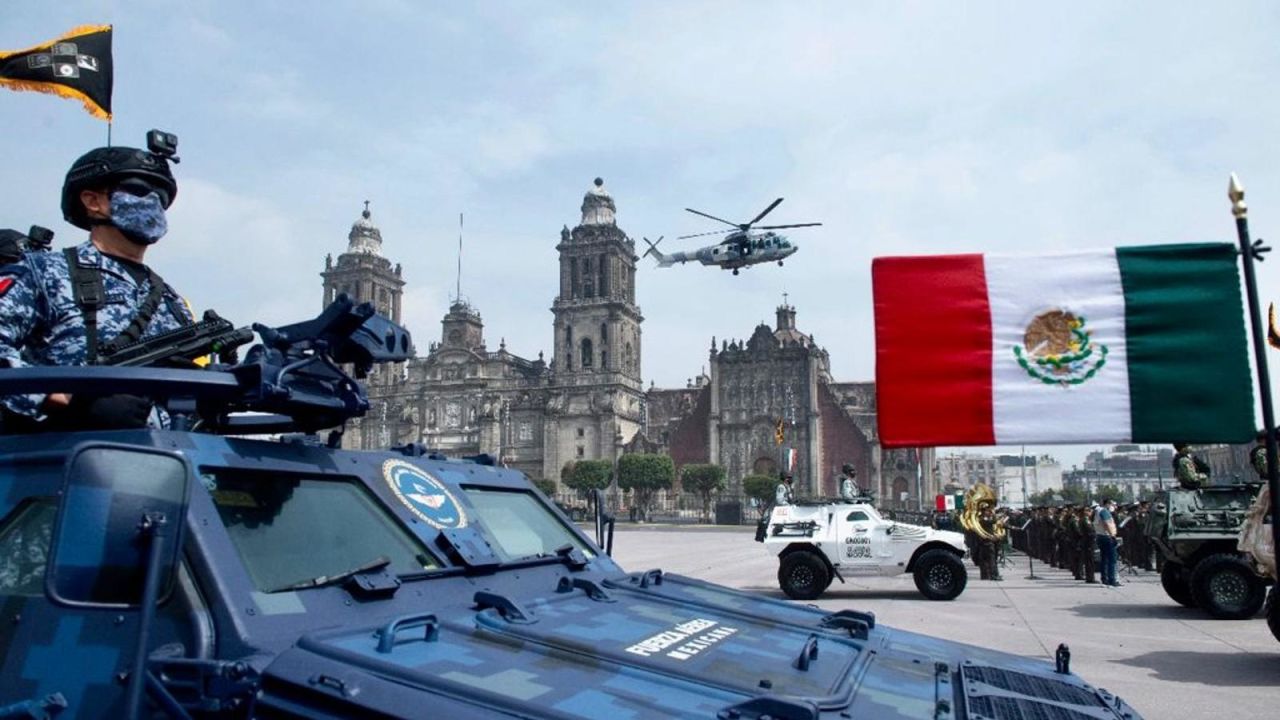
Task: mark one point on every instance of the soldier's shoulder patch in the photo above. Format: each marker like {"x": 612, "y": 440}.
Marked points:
{"x": 5, "y": 284}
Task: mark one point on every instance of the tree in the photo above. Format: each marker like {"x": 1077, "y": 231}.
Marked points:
{"x": 1112, "y": 492}
{"x": 566, "y": 472}
{"x": 588, "y": 475}
{"x": 760, "y": 488}
{"x": 704, "y": 481}
{"x": 644, "y": 474}
{"x": 1058, "y": 496}
{"x": 547, "y": 486}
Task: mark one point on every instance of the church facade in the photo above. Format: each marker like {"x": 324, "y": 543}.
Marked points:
{"x": 588, "y": 402}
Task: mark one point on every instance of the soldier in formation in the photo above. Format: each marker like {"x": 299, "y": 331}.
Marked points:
{"x": 1086, "y": 568}
{"x": 1136, "y": 549}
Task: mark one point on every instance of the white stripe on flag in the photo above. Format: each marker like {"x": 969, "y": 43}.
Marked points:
{"x": 1026, "y": 409}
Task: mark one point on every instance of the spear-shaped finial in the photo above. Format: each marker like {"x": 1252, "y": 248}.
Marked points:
{"x": 1235, "y": 191}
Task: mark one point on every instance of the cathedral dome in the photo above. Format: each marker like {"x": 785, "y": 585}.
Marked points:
{"x": 598, "y": 207}
{"x": 365, "y": 237}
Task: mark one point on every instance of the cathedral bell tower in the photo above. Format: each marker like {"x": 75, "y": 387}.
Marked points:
{"x": 597, "y": 399}
{"x": 597, "y": 321}
{"x": 362, "y": 272}
{"x": 366, "y": 276}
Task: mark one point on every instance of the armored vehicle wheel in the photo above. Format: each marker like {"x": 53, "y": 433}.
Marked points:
{"x": 1174, "y": 580}
{"x": 803, "y": 575}
{"x": 1273, "y": 612}
{"x": 1227, "y": 588}
{"x": 940, "y": 575}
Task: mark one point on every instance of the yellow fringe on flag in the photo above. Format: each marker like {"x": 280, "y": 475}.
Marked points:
{"x": 54, "y": 89}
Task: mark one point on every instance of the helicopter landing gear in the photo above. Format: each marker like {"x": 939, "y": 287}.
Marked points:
{"x": 735, "y": 271}
{"x": 779, "y": 263}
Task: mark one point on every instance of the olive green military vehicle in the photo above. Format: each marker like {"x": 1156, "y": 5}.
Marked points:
{"x": 1196, "y": 531}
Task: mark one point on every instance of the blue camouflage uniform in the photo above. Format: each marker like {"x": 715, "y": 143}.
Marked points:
{"x": 41, "y": 324}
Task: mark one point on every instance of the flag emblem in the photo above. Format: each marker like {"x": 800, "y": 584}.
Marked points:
{"x": 1057, "y": 349}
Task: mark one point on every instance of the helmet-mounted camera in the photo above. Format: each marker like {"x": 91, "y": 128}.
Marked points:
{"x": 164, "y": 144}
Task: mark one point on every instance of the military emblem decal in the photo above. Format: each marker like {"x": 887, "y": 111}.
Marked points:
{"x": 1057, "y": 350}
{"x": 424, "y": 495}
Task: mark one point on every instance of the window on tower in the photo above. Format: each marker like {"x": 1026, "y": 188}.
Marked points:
{"x": 603, "y": 267}
{"x": 574, "y": 290}
{"x": 587, "y": 353}
{"x": 604, "y": 332}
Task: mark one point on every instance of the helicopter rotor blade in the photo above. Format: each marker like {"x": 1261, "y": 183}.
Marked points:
{"x": 764, "y": 212}
{"x": 779, "y": 227}
{"x": 703, "y": 234}
{"x": 713, "y": 217}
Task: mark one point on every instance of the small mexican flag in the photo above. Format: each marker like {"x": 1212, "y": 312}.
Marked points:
{"x": 946, "y": 502}
{"x": 1134, "y": 344}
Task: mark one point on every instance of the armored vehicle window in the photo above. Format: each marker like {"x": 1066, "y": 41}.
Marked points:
{"x": 518, "y": 525}
{"x": 290, "y": 528}
{"x": 24, "y": 547}
{"x": 857, "y": 516}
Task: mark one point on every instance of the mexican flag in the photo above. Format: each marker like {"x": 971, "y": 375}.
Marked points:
{"x": 1133, "y": 344}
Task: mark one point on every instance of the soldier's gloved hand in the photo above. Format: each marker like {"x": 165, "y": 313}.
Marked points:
{"x": 104, "y": 412}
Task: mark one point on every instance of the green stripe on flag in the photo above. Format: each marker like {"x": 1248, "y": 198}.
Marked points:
{"x": 1189, "y": 375}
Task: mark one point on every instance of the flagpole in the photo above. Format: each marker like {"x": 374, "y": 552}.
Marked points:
{"x": 1249, "y": 251}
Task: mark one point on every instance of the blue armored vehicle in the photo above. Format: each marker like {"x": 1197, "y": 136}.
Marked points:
{"x": 197, "y": 572}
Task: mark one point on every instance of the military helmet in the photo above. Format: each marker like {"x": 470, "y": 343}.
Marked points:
{"x": 107, "y": 166}
{"x": 847, "y": 469}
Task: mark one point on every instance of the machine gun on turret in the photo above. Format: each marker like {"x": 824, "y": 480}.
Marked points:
{"x": 293, "y": 381}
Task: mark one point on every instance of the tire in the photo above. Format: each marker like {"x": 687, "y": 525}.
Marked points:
{"x": 1272, "y": 612}
{"x": 803, "y": 575}
{"x": 940, "y": 575}
{"x": 1226, "y": 587}
{"x": 1174, "y": 580}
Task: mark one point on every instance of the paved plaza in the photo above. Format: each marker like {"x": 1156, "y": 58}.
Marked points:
{"x": 1165, "y": 660}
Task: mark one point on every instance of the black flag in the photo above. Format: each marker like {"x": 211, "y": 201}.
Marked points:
{"x": 76, "y": 65}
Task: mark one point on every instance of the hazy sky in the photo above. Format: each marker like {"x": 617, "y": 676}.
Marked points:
{"x": 903, "y": 127}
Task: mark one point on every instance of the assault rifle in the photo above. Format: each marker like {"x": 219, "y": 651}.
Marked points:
{"x": 181, "y": 347}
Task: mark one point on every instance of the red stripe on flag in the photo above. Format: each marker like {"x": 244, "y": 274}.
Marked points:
{"x": 933, "y": 351}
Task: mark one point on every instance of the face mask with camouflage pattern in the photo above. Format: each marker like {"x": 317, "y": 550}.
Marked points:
{"x": 141, "y": 219}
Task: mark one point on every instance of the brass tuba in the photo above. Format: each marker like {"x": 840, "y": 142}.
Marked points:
{"x": 978, "y": 500}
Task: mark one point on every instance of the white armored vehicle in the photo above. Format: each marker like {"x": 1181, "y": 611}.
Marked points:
{"x": 818, "y": 540}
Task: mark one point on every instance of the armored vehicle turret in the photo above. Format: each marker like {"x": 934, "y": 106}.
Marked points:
{"x": 1196, "y": 531}
{"x": 194, "y": 572}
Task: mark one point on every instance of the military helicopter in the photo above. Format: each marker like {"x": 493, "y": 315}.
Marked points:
{"x": 740, "y": 248}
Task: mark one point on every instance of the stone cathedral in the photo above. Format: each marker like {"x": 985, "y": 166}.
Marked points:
{"x": 588, "y": 401}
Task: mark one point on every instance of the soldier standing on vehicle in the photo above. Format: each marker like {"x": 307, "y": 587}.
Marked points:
{"x": 67, "y": 308}
{"x": 1258, "y": 456}
{"x": 1191, "y": 472}
{"x": 849, "y": 490}
{"x": 782, "y": 493}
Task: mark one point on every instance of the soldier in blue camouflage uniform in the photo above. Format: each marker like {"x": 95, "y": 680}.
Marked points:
{"x": 67, "y": 308}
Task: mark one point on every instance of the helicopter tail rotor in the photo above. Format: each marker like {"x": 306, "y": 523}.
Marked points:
{"x": 663, "y": 260}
